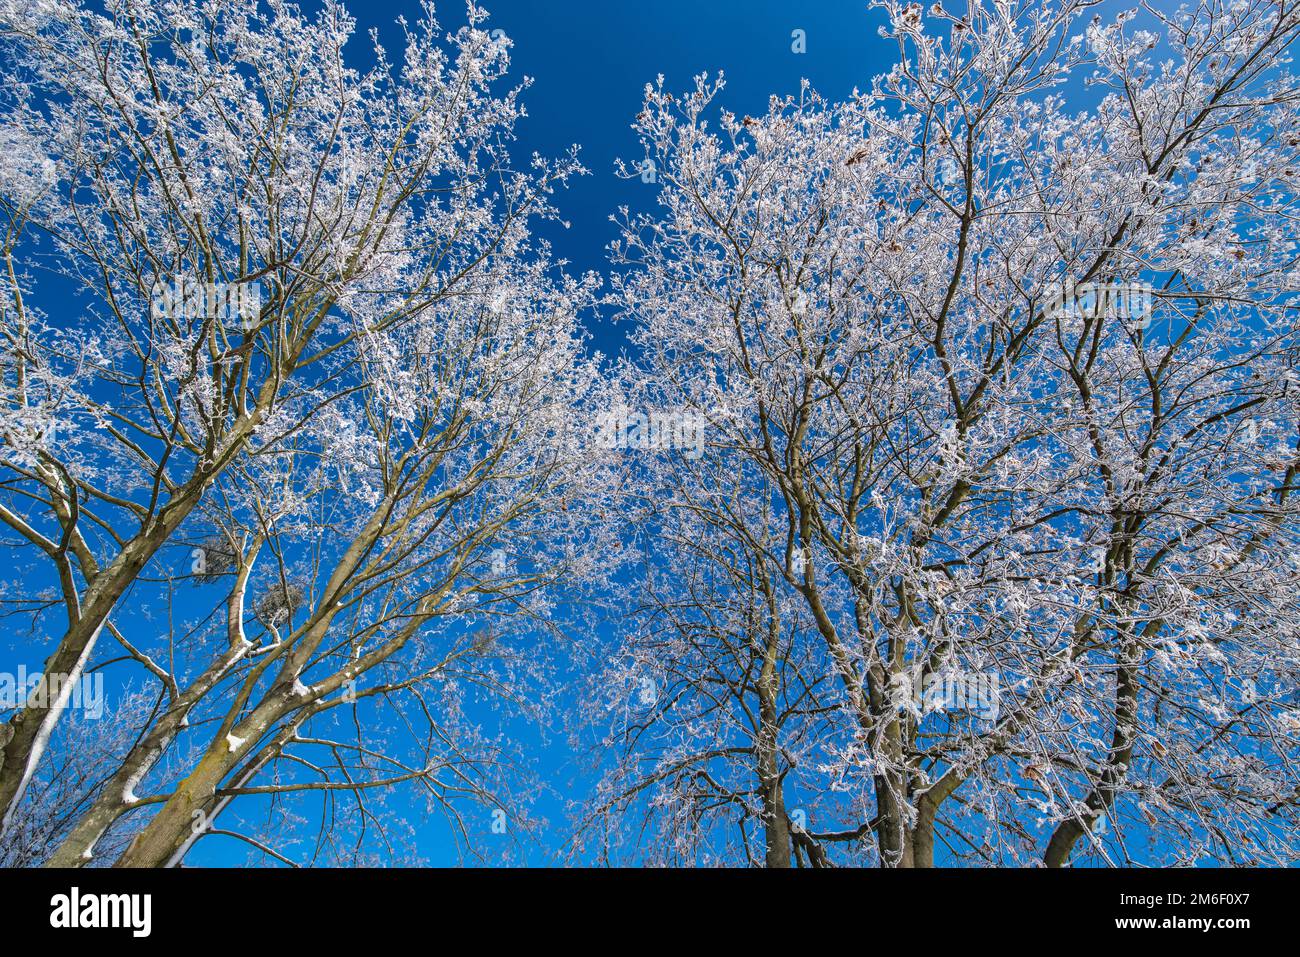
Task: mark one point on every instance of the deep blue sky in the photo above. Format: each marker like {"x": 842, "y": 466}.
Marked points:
{"x": 590, "y": 61}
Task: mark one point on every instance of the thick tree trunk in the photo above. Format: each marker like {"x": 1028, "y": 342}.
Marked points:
{"x": 186, "y": 812}
{"x": 29, "y": 731}
{"x": 776, "y": 825}
{"x": 31, "y": 727}
{"x": 116, "y": 797}
{"x": 893, "y": 835}
{"x": 174, "y": 824}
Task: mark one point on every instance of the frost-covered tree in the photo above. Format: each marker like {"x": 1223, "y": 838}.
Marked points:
{"x": 317, "y": 364}
{"x": 959, "y": 450}
{"x": 376, "y": 550}
{"x": 717, "y": 700}
{"x": 1019, "y": 377}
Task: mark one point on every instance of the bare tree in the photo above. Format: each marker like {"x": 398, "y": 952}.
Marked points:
{"x": 719, "y": 705}
{"x": 1023, "y": 383}
{"x": 316, "y": 324}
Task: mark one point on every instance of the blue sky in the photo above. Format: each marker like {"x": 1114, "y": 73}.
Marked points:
{"x": 590, "y": 61}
